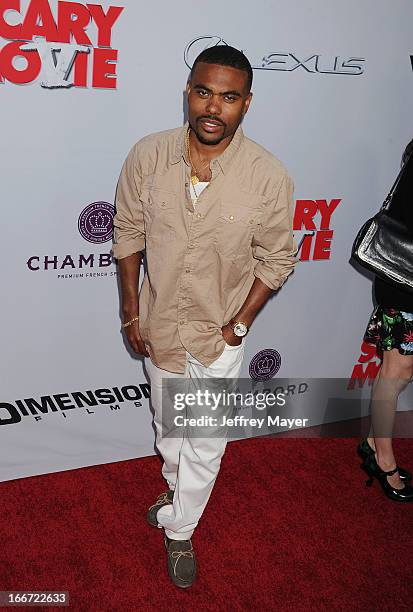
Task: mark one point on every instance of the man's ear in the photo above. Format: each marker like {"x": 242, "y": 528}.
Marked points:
{"x": 247, "y": 103}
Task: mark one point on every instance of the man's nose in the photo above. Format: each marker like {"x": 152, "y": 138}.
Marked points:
{"x": 214, "y": 104}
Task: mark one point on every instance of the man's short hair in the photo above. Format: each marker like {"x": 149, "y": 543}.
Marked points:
{"x": 224, "y": 55}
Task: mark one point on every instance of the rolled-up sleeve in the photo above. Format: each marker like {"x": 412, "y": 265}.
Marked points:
{"x": 273, "y": 244}
{"x": 129, "y": 229}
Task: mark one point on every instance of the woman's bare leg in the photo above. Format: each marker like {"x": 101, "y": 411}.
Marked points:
{"x": 395, "y": 373}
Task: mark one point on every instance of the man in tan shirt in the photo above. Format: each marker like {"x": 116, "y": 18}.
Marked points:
{"x": 213, "y": 212}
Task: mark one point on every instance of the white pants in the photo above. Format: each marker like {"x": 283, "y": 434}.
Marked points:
{"x": 191, "y": 464}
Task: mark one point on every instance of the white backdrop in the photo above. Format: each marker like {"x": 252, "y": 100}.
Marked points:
{"x": 332, "y": 99}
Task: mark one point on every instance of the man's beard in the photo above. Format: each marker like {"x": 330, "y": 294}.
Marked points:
{"x": 207, "y": 141}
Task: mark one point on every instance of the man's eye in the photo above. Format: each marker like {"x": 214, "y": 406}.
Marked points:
{"x": 202, "y": 93}
{"x": 230, "y": 98}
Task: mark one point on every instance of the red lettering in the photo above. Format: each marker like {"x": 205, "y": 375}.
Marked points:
{"x": 322, "y": 245}
{"x": 368, "y": 352}
{"x": 73, "y": 19}
{"x": 104, "y": 22}
{"x": 305, "y": 211}
{"x": 326, "y": 211}
{"x": 69, "y": 27}
{"x": 9, "y": 72}
{"x": 104, "y": 68}
{"x": 39, "y": 21}
{"x": 361, "y": 374}
{"x": 6, "y": 30}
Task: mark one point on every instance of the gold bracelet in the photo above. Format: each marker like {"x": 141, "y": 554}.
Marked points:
{"x": 128, "y": 323}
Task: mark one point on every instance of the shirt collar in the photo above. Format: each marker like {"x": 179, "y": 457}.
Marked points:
{"x": 224, "y": 160}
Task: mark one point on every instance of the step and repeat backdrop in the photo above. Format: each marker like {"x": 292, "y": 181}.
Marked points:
{"x": 80, "y": 83}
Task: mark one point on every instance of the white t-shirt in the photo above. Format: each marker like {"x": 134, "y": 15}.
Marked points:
{"x": 197, "y": 189}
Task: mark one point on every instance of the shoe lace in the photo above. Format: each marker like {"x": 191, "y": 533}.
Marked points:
{"x": 162, "y": 500}
{"x": 176, "y": 555}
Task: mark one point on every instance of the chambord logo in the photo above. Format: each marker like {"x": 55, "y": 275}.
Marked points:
{"x": 265, "y": 364}
{"x": 96, "y": 222}
{"x": 95, "y": 225}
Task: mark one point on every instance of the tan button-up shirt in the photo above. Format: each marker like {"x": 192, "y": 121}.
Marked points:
{"x": 201, "y": 262}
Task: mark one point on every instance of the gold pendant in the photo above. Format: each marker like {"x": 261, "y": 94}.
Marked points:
{"x": 194, "y": 179}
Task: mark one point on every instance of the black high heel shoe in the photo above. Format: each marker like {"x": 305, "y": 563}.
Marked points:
{"x": 372, "y": 468}
{"x": 365, "y": 450}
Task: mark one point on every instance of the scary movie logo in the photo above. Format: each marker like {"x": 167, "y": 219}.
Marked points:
{"x": 366, "y": 368}
{"x": 312, "y": 228}
{"x": 66, "y": 47}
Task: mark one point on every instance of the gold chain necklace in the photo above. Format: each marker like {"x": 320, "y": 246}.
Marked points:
{"x": 194, "y": 178}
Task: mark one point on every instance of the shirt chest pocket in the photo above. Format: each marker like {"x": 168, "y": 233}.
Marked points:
{"x": 235, "y": 229}
{"x": 159, "y": 212}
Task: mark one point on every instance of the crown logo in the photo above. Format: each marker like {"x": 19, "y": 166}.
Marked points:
{"x": 265, "y": 365}
{"x": 100, "y": 223}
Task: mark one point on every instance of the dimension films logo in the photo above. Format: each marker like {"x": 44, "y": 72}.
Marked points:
{"x": 62, "y": 51}
{"x": 95, "y": 225}
{"x": 61, "y": 403}
{"x": 283, "y": 61}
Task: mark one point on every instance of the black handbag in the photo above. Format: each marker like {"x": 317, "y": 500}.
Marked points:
{"x": 385, "y": 245}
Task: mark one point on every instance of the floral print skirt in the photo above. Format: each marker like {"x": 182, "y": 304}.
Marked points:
{"x": 389, "y": 329}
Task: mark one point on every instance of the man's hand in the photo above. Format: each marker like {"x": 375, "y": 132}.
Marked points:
{"x": 229, "y": 336}
{"x": 135, "y": 340}
{"x": 129, "y": 268}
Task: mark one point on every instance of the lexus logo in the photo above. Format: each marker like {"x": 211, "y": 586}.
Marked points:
{"x": 197, "y": 45}
{"x": 284, "y": 61}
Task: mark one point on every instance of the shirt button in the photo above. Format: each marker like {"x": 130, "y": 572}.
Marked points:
{"x": 231, "y": 217}
{"x": 191, "y": 245}
{"x": 187, "y": 270}
{"x": 182, "y": 322}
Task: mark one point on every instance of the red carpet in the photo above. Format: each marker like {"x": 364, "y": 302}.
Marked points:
{"x": 290, "y": 526}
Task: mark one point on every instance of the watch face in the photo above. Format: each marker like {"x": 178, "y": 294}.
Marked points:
{"x": 240, "y": 329}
